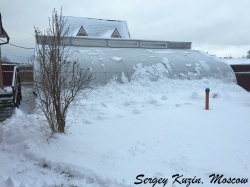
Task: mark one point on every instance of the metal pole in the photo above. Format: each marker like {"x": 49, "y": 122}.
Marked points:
{"x": 1, "y": 71}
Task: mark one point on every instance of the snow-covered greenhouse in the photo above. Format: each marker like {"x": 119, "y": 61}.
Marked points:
{"x": 106, "y": 48}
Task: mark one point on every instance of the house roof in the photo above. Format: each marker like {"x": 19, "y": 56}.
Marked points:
{"x": 1, "y": 27}
{"x": 99, "y": 28}
{"x": 3, "y": 33}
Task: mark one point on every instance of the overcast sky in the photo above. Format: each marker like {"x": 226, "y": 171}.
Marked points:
{"x": 220, "y": 27}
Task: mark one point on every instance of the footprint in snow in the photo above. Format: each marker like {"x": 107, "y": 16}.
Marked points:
{"x": 119, "y": 115}
{"x": 152, "y": 102}
{"x": 158, "y": 175}
{"x": 245, "y": 167}
{"x": 194, "y": 95}
{"x": 164, "y": 97}
{"x": 104, "y": 105}
{"x": 136, "y": 111}
{"x": 186, "y": 104}
{"x": 127, "y": 103}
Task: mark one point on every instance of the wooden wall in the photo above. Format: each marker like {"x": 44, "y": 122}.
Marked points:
{"x": 242, "y": 73}
{"x": 26, "y": 73}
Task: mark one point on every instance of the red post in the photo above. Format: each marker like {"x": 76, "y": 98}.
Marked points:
{"x": 207, "y": 98}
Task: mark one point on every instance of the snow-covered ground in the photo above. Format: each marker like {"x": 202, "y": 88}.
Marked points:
{"x": 121, "y": 132}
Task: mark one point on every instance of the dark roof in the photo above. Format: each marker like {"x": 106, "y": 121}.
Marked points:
{"x": 3, "y": 33}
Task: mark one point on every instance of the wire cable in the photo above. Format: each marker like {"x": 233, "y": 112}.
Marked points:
{"x": 14, "y": 55}
{"x": 17, "y": 45}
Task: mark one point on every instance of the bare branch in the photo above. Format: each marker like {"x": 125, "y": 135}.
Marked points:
{"x": 58, "y": 81}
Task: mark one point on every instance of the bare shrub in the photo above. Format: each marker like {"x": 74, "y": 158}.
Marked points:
{"x": 57, "y": 79}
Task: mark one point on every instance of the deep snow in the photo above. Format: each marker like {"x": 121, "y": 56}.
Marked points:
{"x": 120, "y": 131}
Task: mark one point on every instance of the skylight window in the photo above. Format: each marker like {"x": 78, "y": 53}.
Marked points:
{"x": 115, "y": 34}
{"x": 82, "y": 32}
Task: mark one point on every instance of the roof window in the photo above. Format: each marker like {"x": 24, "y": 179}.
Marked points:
{"x": 82, "y": 32}
{"x": 115, "y": 34}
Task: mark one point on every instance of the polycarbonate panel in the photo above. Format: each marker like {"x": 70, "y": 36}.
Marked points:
{"x": 110, "y": 63}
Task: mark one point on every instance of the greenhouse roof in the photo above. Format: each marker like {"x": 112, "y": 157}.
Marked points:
{"x": 125, "y": 64}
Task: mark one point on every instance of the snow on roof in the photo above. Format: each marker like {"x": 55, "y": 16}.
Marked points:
{"x": 237, "y": 61}
{"x": 140, "y": 63}
{"x": 96, "y": 27}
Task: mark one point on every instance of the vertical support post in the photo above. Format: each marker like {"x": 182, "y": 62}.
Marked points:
{"x": 207, "y": 90}
{"x": 1, "y": 71}
{"x": 3, "y": 34}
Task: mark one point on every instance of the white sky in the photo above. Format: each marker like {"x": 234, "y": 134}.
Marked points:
{"x": 220, "y": 27}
